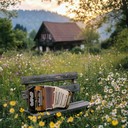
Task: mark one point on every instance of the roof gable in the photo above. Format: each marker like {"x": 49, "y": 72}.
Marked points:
{"x": 63, "y": 31}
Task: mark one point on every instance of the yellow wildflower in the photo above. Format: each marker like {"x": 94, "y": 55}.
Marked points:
{"x": 109, "y": 119}
{"x": 21, "y": 110}
{"x": 52, "y": 124}
{"x": 12, "y": 110}
{"x": 58, "y": 114}
{"x": 24, "y": 126}
{"x": 58, "y": 123}
{"x": 92, "y": 111}
{"x": 62, "y": 118}
{"x": 34, "y": 118}
{"x": 104, "y": 102}
{"x": 48, "y": 113}
{"x": 70, "y": 119}
{"x": 115, "y": 122}
{"x": 77, "y": 115}
{"x": 81, "y": 113}
{"x": 30, "y": 117}
{"x": 41, "y": 123}
{"x": 41, "y": 113}
{"x": 30, "y": 126}
{"x": 12, "y": 103}
{"x": 122, "y": 126}
{"x": 5, "y": 105}
{"x": 16, "y": 116}
{"x": 39, "y": 117}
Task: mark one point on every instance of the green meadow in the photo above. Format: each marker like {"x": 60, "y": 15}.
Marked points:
{"x": 103, "y": 81}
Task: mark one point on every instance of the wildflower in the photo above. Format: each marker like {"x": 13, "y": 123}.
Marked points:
{"x": 30, "y": 117}
{"x": 39, "y": 117}
{"x": 12, "y": 110}
{"x": 97, "y": 101}
{"x": 34, "y": 118}
{"x": 100, "y": 126}
{"x": 81, "y": 74}
{"x": 62, "y": 118}
{"x": 81, "y": 113}
{"x": 58, "y": 122}
{"x": 123, "y": 120}
{"x": 30, "y": 126}
{"x": 115, "y": 122}
{"x": 105, "y": 89}
{"x": 48, "y": 113}
{"x": 12, "y": 89}
{"x": 110, "y": 90}
{"x": 57, "y": 125}
{"x": 92, "y": 111}
{"x": 12, "y": 103}
{"x": 124, "y": 91}
{"x": 41, "y": 113}
{"x": 104, "y": 102}
{"x": 117, "y": 88}
{"x": 58, "y": 114}
{"x": 41, "y": 123}
{"x": 52, "y": 124}
{"x": 21, "y": 110}
{"x": 1, "y": 69}
{"x": 109, "y": 119}
{"x": 5, "y": 105}
{"x": 24, "y": 126}
{"x": 70, "y": 119}
{"x": 16, "y": 116}
{"x": 77, "y": 115}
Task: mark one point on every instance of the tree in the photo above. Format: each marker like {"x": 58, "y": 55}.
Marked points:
{"x": 91, "y": 37}
{"x": 91, "y": 40}
{"x": 31, "y": 42}
{"x": 121, "y": 40}
{"x": 88, "y": 9}
{"x": 20, "y": 27}
{"x": 11, "y": 39}
{"x": 6, "y": 34}
{"x": 4, "y": 4}
{"x": 21, "y": 40}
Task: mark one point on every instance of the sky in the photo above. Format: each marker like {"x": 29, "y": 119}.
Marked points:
{"x": 45, "y": 5}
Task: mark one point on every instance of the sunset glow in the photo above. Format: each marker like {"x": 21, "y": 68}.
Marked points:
{"x": 42, "y": 5}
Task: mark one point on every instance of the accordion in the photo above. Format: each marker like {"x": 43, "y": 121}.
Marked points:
{"x": 41, "y": 98}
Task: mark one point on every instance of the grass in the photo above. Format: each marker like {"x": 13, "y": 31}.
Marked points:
{"x": 101, "y": 84}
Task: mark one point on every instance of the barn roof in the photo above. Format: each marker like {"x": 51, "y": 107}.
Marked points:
{"x": 67, "y": 31}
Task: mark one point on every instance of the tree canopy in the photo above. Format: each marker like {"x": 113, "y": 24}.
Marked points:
{"x": 11, "y": 39}
{"x": 88, "y": 9}
{"x": 4, "y": 4}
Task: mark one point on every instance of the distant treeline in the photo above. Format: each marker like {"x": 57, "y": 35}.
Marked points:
{"x": 33, "y": 19}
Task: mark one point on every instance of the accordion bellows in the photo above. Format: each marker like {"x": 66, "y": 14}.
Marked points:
{"x": 43, "y": 98}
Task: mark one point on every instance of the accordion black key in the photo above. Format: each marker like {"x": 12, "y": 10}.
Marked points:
{"x": 41, "y": 98}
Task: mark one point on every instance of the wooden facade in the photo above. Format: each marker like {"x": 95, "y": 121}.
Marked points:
{"x": 58, "y": 36}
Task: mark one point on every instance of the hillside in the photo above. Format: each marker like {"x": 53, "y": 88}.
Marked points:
{"x": 33, "y": 19}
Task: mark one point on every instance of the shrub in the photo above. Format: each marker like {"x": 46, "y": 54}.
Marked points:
{"x": 1, "y": 51}
{"x": 121, "y": 40}
{"x": 123, "y": 64}
{"x": 106, "y": 43}
{"x": 77, "y": 50}
{"x": 94, "y": 50}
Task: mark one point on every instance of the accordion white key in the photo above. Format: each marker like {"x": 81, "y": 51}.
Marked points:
{"x": 41, "y": 98}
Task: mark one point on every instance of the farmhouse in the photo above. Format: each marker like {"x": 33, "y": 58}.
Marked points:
{"x": 58, "y": 36}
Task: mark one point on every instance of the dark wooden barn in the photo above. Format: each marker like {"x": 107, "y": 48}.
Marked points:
{"x": 57, "y": 36}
